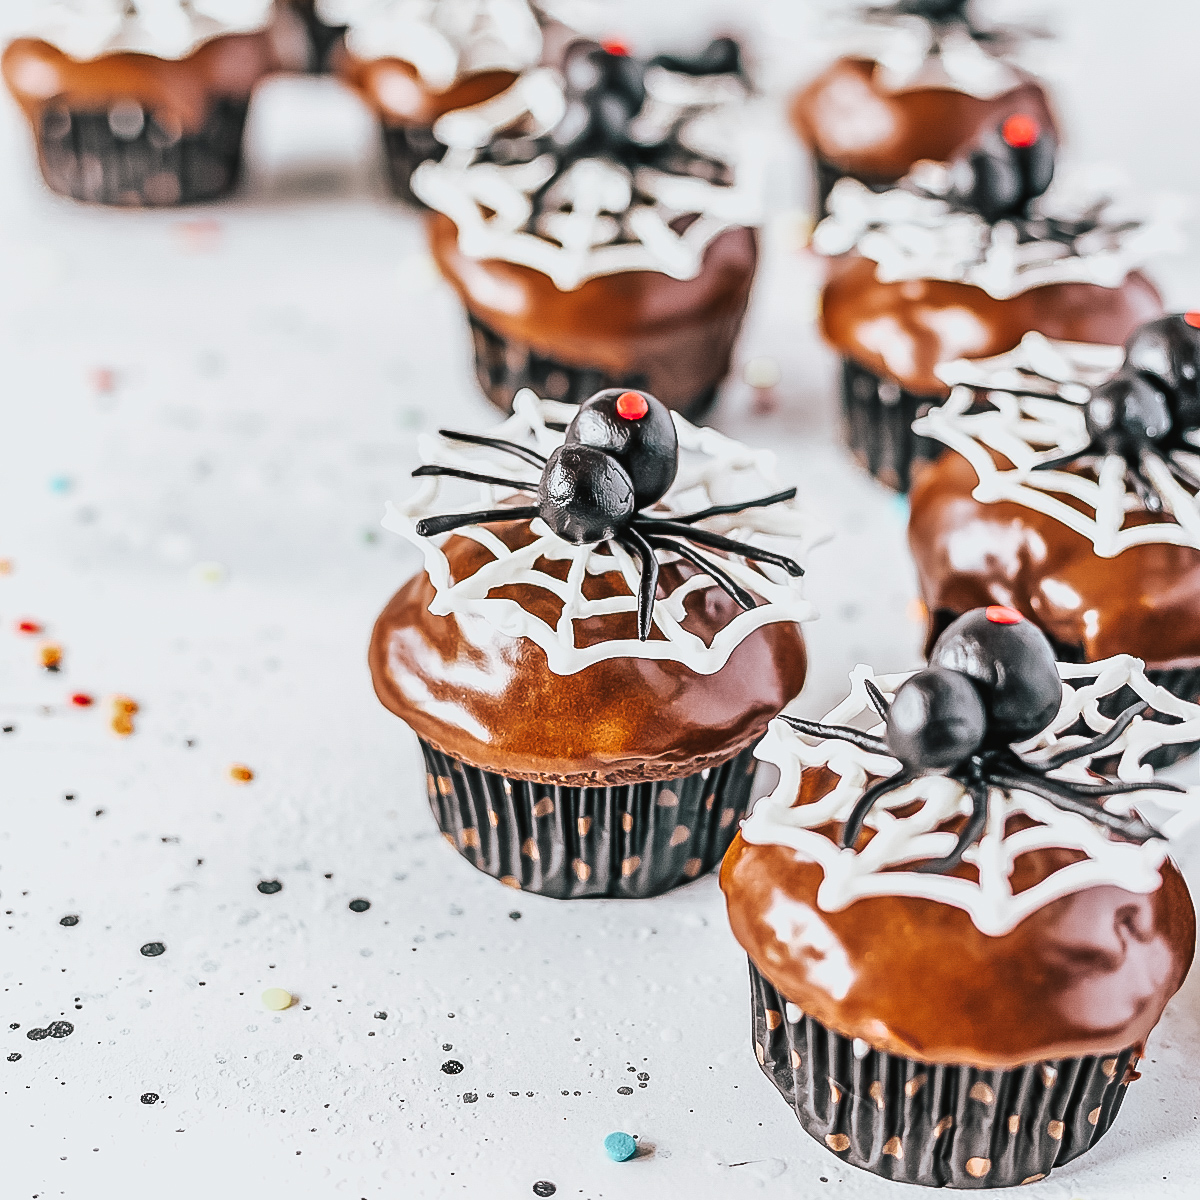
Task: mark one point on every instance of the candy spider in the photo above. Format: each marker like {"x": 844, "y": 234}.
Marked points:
{"x": 992, "y": 682}
{"x": 1145, "y": 413}
{"x": 620, "y": 456}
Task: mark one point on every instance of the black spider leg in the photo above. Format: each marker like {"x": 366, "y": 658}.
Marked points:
{"x": 530, "y": 456}
{"x": 878, "y": 700}
{"x": 726, "y": 582}
{"x": 1051, "y": 464}
{"x": 864, "y": 741}
{"x": 1147, "y": 494}
{"x": 1184, "y": 474}
{"x": 432, "y": 526}
{"x": 474, "y": 477}
{"x": 715, "y": 540}
{"x": 1089, "y": 749}
{"x": 1072, "y": 798}
{"x": 976, "y": 784}
{"x": 865, "y": 802}
{"x": 648, "y": 588}
{"x": 721, "y": 510}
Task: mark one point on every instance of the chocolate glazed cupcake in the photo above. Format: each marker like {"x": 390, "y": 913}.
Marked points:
{"x": 587, "y": 675}
{"x": 413, "y": 61}
{"x": 923, "y": 80}
{"x": 1073, "y": 469}
{"x": 142, "y": 104}
{"x": 961, "y": 261}
{"x": 598, "y": 227}
{"x": 958, "y": 950}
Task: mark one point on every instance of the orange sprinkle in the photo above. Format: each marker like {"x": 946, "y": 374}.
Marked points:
{"x": 6, "y": 566}
{"x": 240, "y": 774}
{"x": 51, "y": 655}
{"x": 916, "y": 611}
{"x": 123, "y": 710}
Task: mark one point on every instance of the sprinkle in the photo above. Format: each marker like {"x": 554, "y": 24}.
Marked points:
{"x": 632, "y": 406}
{"x": 200, "y": 235}
{"x": 240, "y": 774}
{"x": 615, "y": 46}
{"x": 620, "y": 1147}
{"x": 359, "y": 905}
{"x": 6, "y": 566}
{"x": 999, "y": 614}
{"x": 103, "y": 380}
{"x": 28, "y": 627}
{"x": 761, "y": 373}
{"x": 123, "y": 710}
{"x": 1020, "y": 131}
{"x": 82, "y": 700}
{"x": 277, "y": 999}
{"x": 51, "y": 654}
{"x": 61, "y": 484}
{"x": 210, "y": 572}
{"x": 153, "y": 949}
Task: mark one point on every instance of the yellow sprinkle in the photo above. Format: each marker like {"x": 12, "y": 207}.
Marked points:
{"x": 277, "y": 999}
{"x": 761, "y": 372}
{"x": 240, "y": 774}
{"x": 6, "y": 566}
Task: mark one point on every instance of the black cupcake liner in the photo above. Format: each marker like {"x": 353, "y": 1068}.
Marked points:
{"x": 504, "y": 367}
{"x": 126, "y": 155}
{"x": 630, "y": 841}
{"x": 826, "y": 175}
{"x": 878, "y": 421}
{"x": 930, "y": 1124}
{"x": 405, "y": 148}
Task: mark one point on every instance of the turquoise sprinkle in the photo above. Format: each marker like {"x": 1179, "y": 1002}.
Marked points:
{"x": 620, "y": 1147}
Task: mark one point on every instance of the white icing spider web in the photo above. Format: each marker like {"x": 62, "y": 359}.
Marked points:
{"x": 713, "y": 470}
{"x": 876, "y": 869}
{"x": 981, "y": 416}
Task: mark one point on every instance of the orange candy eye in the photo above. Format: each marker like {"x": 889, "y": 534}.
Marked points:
{"x": 1020, "y": 131}
{"x": 632, "y": 406}
{"x": 998, "y": 614}
{"x": 1193, "y": 319}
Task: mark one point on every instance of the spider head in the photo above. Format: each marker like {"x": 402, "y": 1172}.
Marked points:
{"x": 605, "y": 90}
{"x": 635, "y": 429}
{"x": 585, "y": 495}
{"x": 1127, "y": 414}
{"x": 936, "y": 720}
{"x": 722, "y": 56}
{"x": 1010, "y": 167}
{"x": 1012, "y": 666}
{"x": 1167, "y": 352}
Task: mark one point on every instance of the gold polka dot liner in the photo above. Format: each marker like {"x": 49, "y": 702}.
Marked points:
{"x": 930, "y": 1124}
{"x": 632, "y": 840}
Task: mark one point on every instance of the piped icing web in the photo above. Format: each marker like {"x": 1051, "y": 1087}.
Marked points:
{"x": 888, "y": 865}
{"x": 443, "y": 39}
{"x": 713, "y": 470}
{"x": 87, "y": 29}
{"x": 1030, "y": 406}
{"x": 547, "y": 176}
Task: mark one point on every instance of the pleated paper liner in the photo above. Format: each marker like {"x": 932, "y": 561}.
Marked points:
{"x": 405, "y": 148}
{"x": 631, "y": 841}
{"x": 928, "y": 1124}
{"x": 126, "y": 155}
{"x": 322, "y": 39}
{"x": 878, "y": 425}
{"x": 504, "y": 367}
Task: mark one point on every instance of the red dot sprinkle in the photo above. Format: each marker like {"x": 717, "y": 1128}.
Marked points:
{"x": 82, "y": 700}
{"x": 1192, "y": 319}
{"x": 632, "y": 406}
{"x": 1020, "y": 131}
{"x": 28, "y": 627}
{"x": 615, "y": 46}
{"x": 998, "y": 614}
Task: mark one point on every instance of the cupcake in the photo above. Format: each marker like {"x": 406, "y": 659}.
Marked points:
{"x": 960, "y": 935}
{"x": 321, "y": 38}
{"x": 413, "y": 61}
{"x": 590, "y": 657}
{"x": 922, "y": 79}
{"x": 142, "y": 102}
{"x": 961, "y": 261}
{"x": 1068, "y": 492}
{"x": 599, "y": 225}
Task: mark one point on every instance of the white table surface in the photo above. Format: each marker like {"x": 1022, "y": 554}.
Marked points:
{"x": 203, "y": 538}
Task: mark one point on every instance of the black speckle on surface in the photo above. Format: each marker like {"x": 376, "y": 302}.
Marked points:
{"x": 643, "y": 1075}
{"x": 69, "y": 919}
{"x": 624, "y": 1091}
{"x": 297, "y": 1056}
{"x": 470, "y": 1097}
{"x": 514, "y": 915}
{"x": 452, "y": 1067}
{"x": 56, "y": 1029}
{"x": 544, "y": 1187}
{"x": 15, "y": 1025}
{"x": 269, "y": 887}
{"x": 381, "y": 1015}
{"x": 447, "y": 1046}
{"x": 359, "y": 905}
{"x": 153, "y": 949}
{"x": 14, "y": 1057}
{"x": 69, "y": 796}
{"x": 149, "y": 1097}
{"x": 8, "y": 728}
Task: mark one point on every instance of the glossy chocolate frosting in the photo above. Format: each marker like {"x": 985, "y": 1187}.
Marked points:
{"x": 1088, "y": 974}
{"x": 876, "y": 135}
{"x": 675, "y": 336}
{"x": 1144, "y": 601}
{"x": 40, "y": 75}
{"x": 491, "y": 700}
{"x": 903, "y": 330}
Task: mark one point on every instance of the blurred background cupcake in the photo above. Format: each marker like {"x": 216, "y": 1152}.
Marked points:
{"x": 599, "y": 225}
{"x": 946, "y": 982}
{"x": 920, "y": 79}
{"x": 143, "y": 102}
{"x": 413, "y": 61}
{"x": 588, "y": 659}
{"x": 962, "y": 260}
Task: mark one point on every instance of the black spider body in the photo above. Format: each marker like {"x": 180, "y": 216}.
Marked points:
{"x": 620, "y": 455}
{"x": 1009, "y": 168}
{"x": 1146, "y": 412}
{"x": 992, "y": 682}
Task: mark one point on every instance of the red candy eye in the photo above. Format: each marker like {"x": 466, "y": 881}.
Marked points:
{"x": 1020, "y": 131}
{"x": 615, "y": 46}
{"x": 999, "y": 615}
{"x": 632, "y": 406}
{"x": 1193, "y": 319}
